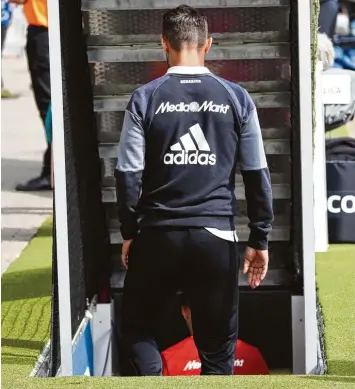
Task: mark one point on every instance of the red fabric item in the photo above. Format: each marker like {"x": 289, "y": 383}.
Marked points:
{"x": 182, "y": 360}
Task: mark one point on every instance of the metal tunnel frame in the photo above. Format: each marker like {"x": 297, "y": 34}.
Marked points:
{"x": 304, "y": 323}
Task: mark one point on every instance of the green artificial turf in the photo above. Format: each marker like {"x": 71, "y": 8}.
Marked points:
{"x": 336, "y": 284}
{"x": 232, "y": 382}
{"x": 26, "y": 306}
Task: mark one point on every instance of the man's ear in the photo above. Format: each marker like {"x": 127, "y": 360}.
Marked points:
{"x": 208, "y": 45}
{"x": 164, "y": 45}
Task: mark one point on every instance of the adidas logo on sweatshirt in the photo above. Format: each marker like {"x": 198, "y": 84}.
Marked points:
{"x": 192, "y": 149}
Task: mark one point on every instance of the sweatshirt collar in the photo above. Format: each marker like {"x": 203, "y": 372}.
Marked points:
{"x": 189, "y": 70}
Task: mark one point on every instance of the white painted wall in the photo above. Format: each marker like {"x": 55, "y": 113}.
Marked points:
{"x": 319, "y": 170}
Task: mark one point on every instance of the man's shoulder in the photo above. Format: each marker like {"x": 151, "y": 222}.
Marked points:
{"x": 141, "y": 96}
{"x": 150, "y": 87}
{"x": 241, "y": 98}
{"x": 232, "y": 86}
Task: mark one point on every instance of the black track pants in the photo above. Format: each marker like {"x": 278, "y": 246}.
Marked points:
{"x": 205, "y": 268}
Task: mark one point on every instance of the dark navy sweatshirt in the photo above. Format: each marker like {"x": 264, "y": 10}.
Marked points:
{"x": 182, "y": 137}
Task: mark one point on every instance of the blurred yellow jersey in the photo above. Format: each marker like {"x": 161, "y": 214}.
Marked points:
{"x": 36, "y": 12}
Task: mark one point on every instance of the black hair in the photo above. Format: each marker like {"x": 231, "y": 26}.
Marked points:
{"x": 185, "y": 25}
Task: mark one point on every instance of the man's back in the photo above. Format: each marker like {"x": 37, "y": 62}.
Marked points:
{"x": 193, "y": 124}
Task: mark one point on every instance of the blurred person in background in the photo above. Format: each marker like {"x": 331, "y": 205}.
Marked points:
{"x": 336, "y": 115}
{"x": 37, "y": 50}
{"x": 182, "y": 359}
{"x": 6, "y": 16}
{"x": 326, "y": 53}
{"x": 342, "y": 25}
{"x": 327, "y": 16}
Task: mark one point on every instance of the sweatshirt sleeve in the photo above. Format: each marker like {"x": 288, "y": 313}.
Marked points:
{"x": 128, "y": 173}
{"x": 256, "y": 179}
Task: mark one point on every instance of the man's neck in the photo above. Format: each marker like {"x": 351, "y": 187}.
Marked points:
{"x": 187, "y": 58}
{"x": 187, "y": 64}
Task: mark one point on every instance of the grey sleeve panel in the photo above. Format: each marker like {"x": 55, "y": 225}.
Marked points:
{"x": 251, "y": 147}
{"x": 131, "y": 148}
{"x": 131, "y": 158}
{"x": 129, "y": 171}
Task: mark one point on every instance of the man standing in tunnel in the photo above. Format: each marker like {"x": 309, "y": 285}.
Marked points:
{"x": 182, "y": 137}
